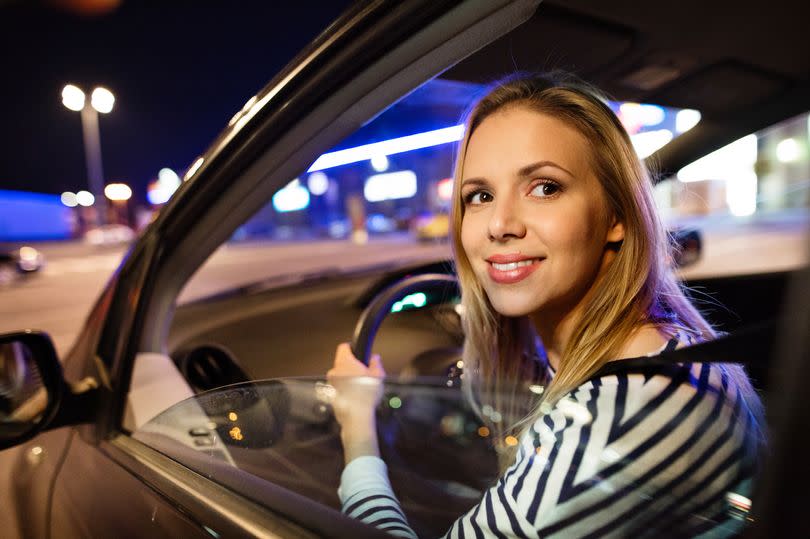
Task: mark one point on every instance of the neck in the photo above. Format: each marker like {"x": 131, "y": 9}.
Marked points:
{"x": 555, "y": 332}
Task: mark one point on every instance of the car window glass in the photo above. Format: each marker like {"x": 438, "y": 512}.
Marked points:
{"x": 382, "y": 195}
{"x": 749, "y": 200}
{"x": 283, "y": 432}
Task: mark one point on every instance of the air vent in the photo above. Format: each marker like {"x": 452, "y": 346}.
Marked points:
{"x": 210, "y": 366}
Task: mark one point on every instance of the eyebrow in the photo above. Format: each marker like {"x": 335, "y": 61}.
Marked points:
{"x": 528, "y": 169}
{"x": 523, "y": 171}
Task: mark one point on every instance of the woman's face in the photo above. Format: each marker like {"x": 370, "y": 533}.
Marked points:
{"x": 536, "y": 221}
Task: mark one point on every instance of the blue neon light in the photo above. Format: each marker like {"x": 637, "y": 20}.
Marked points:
{"x": 389, "y": 147}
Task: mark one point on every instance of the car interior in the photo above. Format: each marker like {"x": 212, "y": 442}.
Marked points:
{"x": 706, "y": 57}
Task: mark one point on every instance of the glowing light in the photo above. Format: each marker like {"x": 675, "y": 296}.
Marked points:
{"x": 318, "y": 183}
{"x": 162, "y": 190}
{"x": 102, "y": 100}
{"x": 28, "y": 253}
{"x": 193, "y": 168}
{"x": 36, "y": 450}
{"x": 236, "y": 434}
{"x": 117, "y": 191}
{"x": 537, "y": 390}
{"x": 739, "y": 501}
{"x": 460, "y": 364}
{"x": 169, "y": 178}
{"x": 636, "y": 114}
{"x": 722, "y": 164}
{"x": 649, "y": 142}
{"x": 388, "y": 147}
{"x": 73, "y": 97}
{"x": 787, "y": 150}
{"x": 686, "y": 119}
{"x": 741, "y": 194}
{"x": 483, "y": 432}
{"x": 417, "y": 300}
{"x": 390, "y": 186}
{"x": 85, "y": 198}
{"x": 395, "y": 402}
{"x": 445, "y": 189}
{"x": 380, "y": 163}
{"x": 511, "y": 441}
{"x": 292, "y": 197}
{"x": 232, "y": 416}
{"x": 69, "y": 199}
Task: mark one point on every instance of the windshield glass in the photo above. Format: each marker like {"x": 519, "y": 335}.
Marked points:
{"x": 749, "y": 199}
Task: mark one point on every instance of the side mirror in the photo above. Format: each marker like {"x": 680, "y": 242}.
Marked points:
{"x": 31, "y": 385}
{"x": 687, "y": 246}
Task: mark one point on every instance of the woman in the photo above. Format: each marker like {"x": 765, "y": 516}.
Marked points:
{"x": 557, "y": 240}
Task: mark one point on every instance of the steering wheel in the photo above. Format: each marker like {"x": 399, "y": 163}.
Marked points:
{"x": 376, "y": 311}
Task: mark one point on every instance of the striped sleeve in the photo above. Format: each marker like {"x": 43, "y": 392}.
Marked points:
{"x": 366, "y": 495}
{"x": 619, "y": 456}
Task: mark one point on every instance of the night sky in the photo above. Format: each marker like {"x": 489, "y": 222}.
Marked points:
{"x": 179, "y": 71}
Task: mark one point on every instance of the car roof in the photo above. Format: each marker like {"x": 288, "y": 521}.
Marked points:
{"x": 743, "y": 65}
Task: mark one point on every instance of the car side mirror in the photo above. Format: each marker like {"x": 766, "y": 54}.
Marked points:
{"x": 687, "y": 246}
{"x": 32, "y": 388}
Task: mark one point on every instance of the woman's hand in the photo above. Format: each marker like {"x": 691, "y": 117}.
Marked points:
{"x": 358, "y": 390}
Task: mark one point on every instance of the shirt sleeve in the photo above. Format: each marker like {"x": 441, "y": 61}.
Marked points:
{"x": 366, "y": 495}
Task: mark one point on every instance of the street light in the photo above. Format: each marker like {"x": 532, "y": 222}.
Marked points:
{"x": 101, "y": 100}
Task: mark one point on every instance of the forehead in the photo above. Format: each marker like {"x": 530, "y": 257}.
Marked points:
{"x": 517, "y": 136}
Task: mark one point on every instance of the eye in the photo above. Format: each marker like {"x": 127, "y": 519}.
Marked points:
{"x": 475, "y": 198}
{"x": 545, "y": 189}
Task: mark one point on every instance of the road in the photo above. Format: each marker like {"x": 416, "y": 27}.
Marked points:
{"x": 58, "y": 299}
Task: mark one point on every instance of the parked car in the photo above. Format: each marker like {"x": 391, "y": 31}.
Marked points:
{"x": 190, "y": 419}
{"x": 19, "y": 261}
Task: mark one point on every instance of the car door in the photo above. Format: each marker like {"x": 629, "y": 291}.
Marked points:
{"x": 107, "y": 483}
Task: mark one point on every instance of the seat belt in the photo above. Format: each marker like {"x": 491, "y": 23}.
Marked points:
{"x": 751, "y": 346}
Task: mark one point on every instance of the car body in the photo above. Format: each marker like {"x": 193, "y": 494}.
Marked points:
{"x": 141, "y": 440}
{"x": 432, "y": 227}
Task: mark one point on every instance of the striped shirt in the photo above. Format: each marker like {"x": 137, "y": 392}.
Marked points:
{"x": 667, "y": 450}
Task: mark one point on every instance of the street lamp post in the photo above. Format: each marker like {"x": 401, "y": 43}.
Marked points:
{"x": 101, "y": 100}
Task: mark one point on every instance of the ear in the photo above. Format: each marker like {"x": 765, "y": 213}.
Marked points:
{"x": 615, "y": 233}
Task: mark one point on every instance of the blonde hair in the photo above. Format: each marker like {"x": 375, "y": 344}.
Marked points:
{"x": 638, "y": 288}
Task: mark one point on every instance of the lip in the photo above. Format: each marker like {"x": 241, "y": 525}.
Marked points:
{"x": 513, "y": 275}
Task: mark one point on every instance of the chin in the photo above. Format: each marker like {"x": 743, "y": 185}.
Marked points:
{"x": 513, "y": 305}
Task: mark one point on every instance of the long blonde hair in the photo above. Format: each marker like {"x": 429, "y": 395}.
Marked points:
{"x": 638, "y": 288}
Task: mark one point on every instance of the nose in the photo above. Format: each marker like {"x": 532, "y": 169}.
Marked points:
{"x": 505, "y": 221}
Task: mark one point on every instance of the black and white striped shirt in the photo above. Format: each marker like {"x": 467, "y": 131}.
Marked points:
{"x": 668, "y": 451}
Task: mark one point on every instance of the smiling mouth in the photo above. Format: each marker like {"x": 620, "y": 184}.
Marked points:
{"x": 509, "y": 266}
{"x": 512, "y": 271}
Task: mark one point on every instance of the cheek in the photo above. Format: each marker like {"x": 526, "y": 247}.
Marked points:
{"x": 574, "y": 234}
{"x": 469, "y": 235}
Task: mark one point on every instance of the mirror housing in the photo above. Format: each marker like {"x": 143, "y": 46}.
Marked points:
{"x": 33, "y": 393}
{"x": 687, "y": 246}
